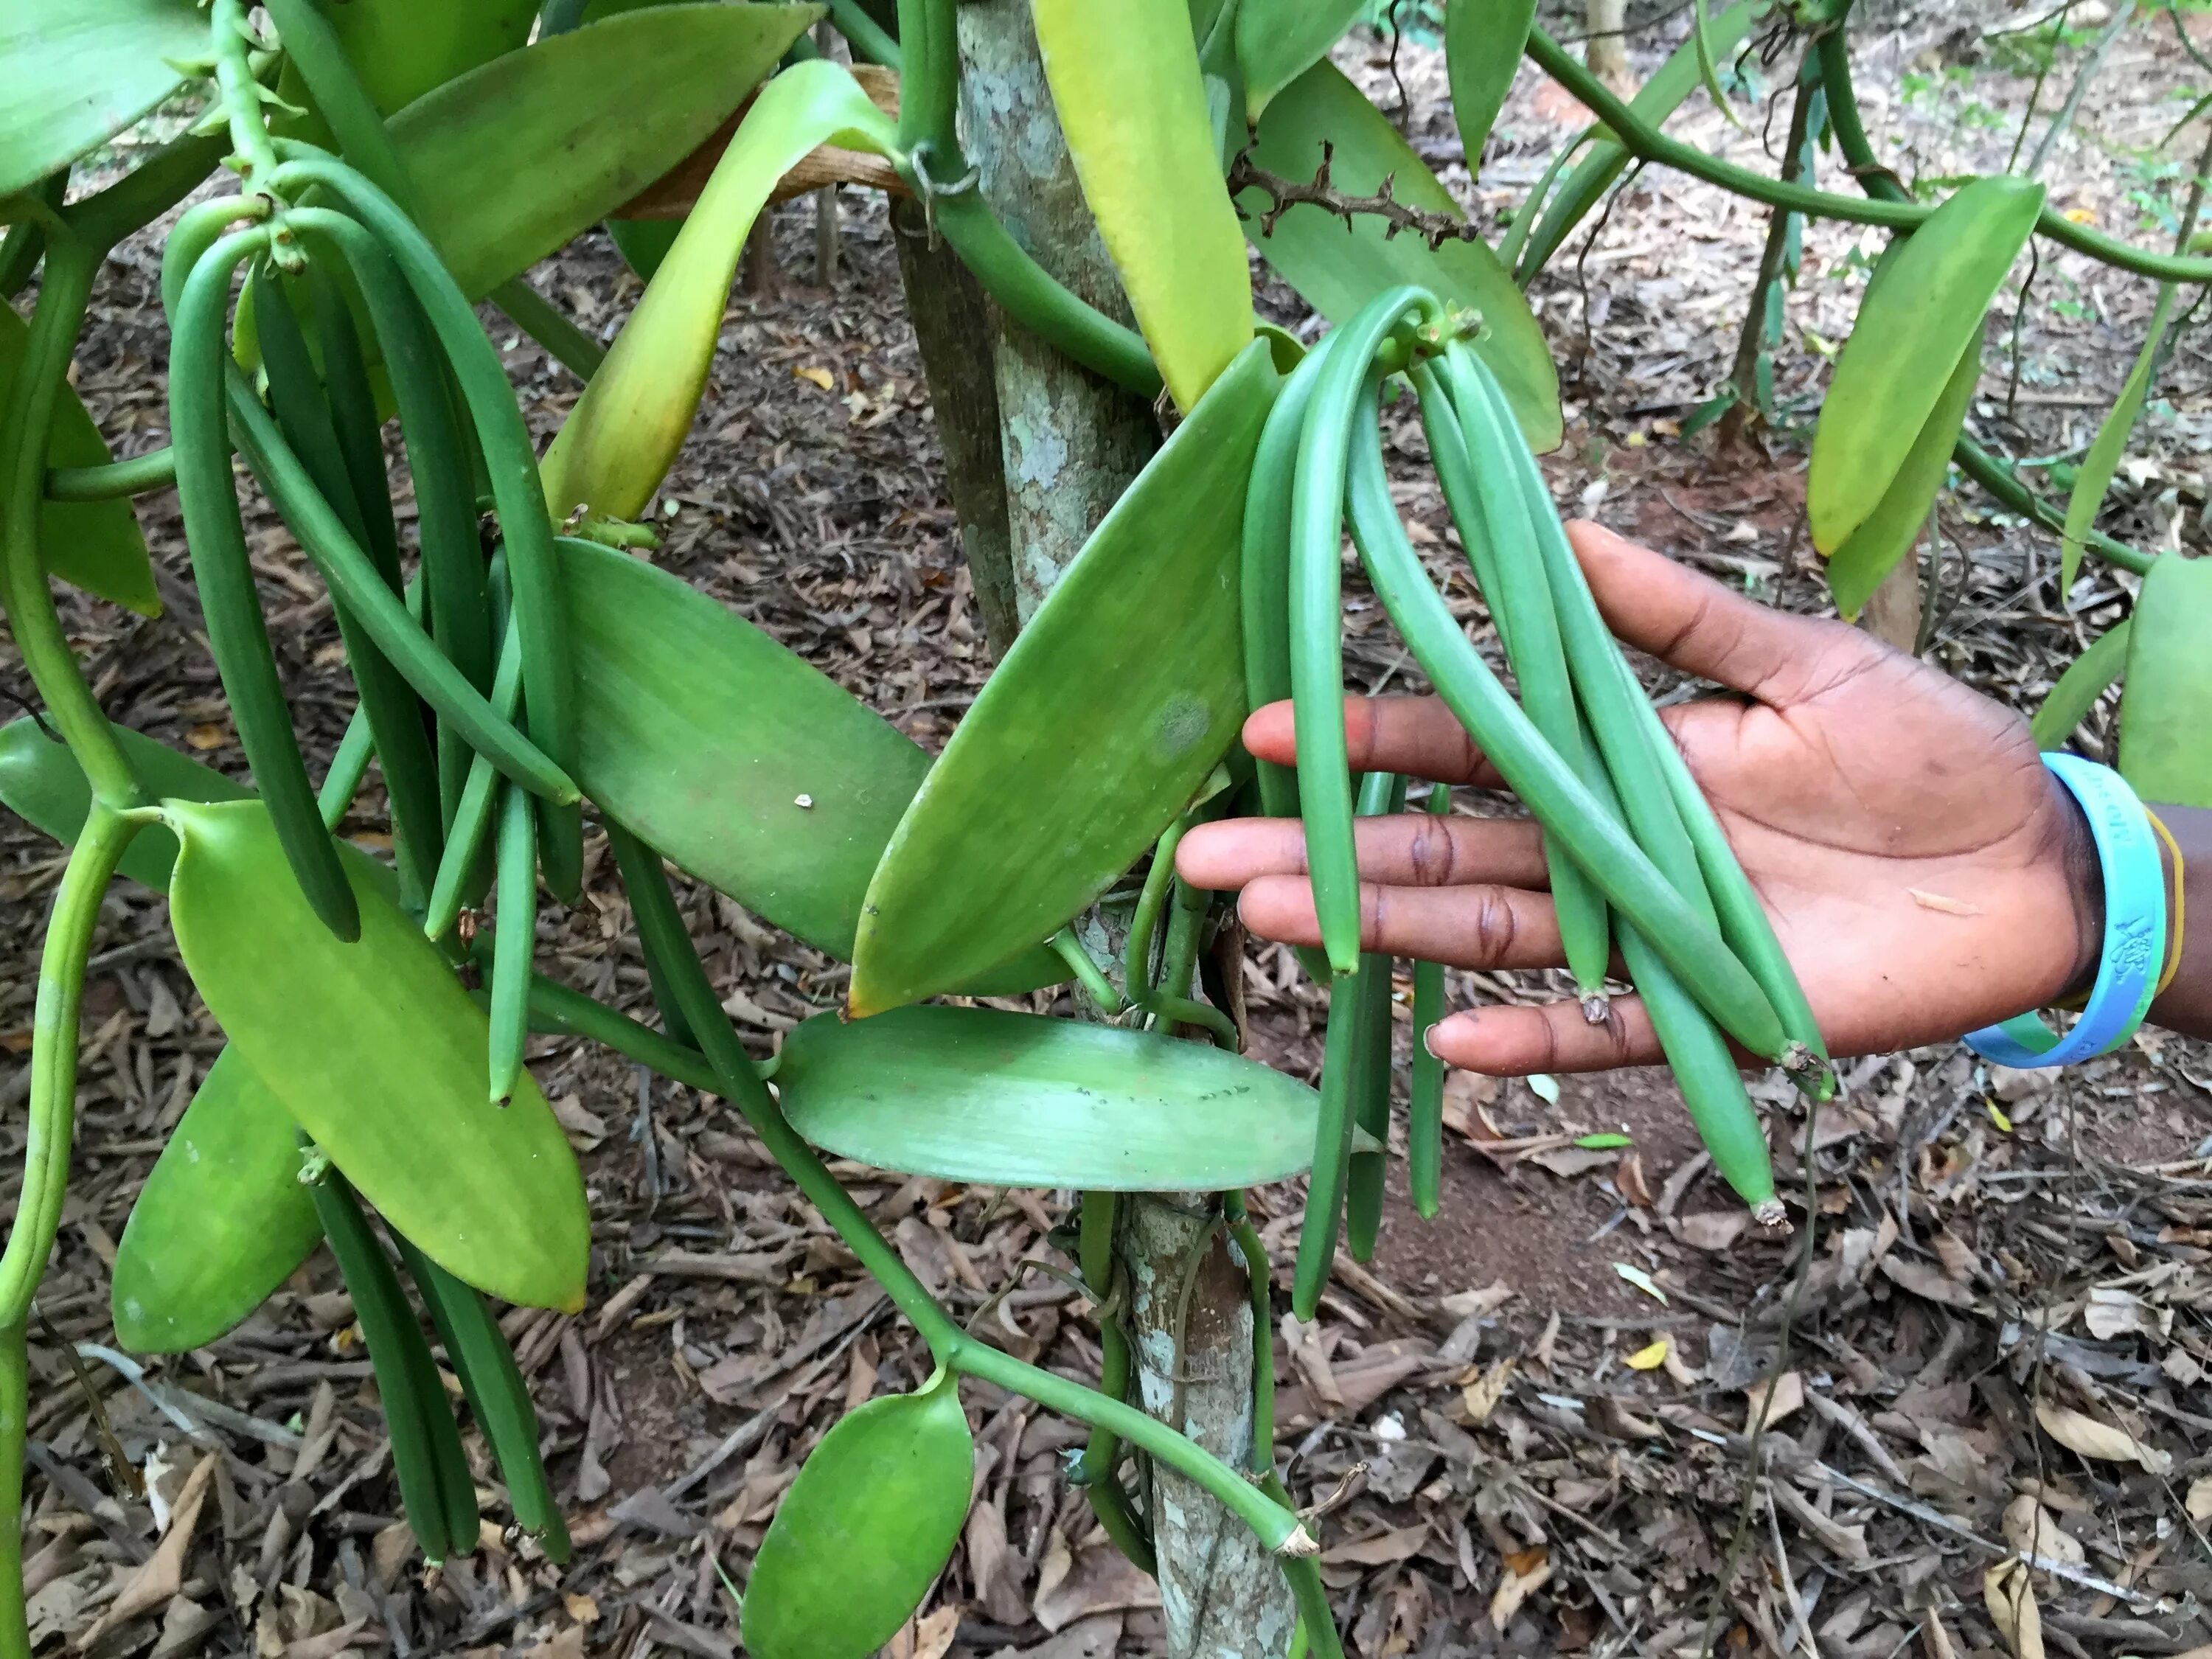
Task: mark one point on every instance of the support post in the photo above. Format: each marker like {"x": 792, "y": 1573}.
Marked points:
{"x": 1070, "y": 443}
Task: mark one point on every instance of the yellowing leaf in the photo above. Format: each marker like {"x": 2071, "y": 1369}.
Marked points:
{"x": 1650, "y": 1358}
{"x": 818, "y": 375}
{"x": 623, "y": 435}
{"x": 2082, "y": 215}
{"x": 1125, "y": 81}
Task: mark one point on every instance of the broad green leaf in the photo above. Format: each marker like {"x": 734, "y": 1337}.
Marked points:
{"x": 378, "y": 1053}
{"x": 73, "y": 73}
{"x": 1125, "y": 82}
{"x": 404, "y": 48}
{"x": 1483, "y": 41}
{"x": 865, "y": 1529}
{"x": 222, "y": 1221}
{"x": 41, "y": 783}
{"x": 2102, "y": 459}
{"x": 2086, "y": 678}
{"x": 742, "y": 762}
{"x": 644, "y": 243}
{"x": 1097, "y": 727}
{"x": 2163, "y": 753}
{"x": 513, "y": 159}
{"x": 1607, "y": 158}
{"x": 1921, "y": 315}
{"x": 1016, "y": 1100}
{"x": 1279, "y": 40}
{"x": 1856, "y": 569}
{"x": 95, "y": 545}
{"x": 1336, "y": 271}
{"x": 620, "y": 439}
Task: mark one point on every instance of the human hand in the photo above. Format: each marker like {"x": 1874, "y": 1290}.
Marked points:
{"x": 1924, "y": 873}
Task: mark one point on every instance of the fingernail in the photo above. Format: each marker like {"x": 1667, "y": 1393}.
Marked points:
{"x": 1429, "y": 1037}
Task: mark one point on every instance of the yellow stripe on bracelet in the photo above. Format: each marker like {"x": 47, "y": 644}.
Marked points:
{"x": 2180, "y": 893}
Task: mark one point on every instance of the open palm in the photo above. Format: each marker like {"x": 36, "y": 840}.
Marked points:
{"x": 1924, "y": 873}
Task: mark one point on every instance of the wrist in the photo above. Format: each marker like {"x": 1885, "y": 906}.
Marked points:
{"x": 2084, "y": 876}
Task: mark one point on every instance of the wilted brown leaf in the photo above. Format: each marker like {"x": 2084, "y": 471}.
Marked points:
{"x": 2011, "y": 1602}
{"x": 2086, "y": 1434}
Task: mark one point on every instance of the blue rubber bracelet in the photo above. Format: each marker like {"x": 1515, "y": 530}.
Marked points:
{"x": 2135, "y": 929}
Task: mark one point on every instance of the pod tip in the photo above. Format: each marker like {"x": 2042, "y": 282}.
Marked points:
{"x": 1770, "y": 1215}
{"x": 1597, "y": 1008}
{"x": 1299, "y": 1543}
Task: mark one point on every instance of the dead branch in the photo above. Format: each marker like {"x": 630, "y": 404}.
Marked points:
{"x": 1433, "y": 228}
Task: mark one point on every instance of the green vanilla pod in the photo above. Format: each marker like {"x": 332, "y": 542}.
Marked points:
{"x": 216, "y": 535}
{"x": 1533, "y": 770}
{"x": 458, "y": 883}
{"x": 304, "y": 414}
{"x": 1380, "y": 793}
{"x": 1264, "y": 576}
{"x": 1592, "y": 659}
{"x": 426, "y": 1442}
{"x": 1741, "y": 918}
{"x": 1331, "y": 1152}
{"x": 1316, "y": 619}
{"x": 353, "y": 579}
{"x": 1475, "y": 450}
{"x": 438, "y": 443}
{"x": 1704, "y": 1070}
{"x": 516, "y": 942}
{"x": 1424, "y": 1086}
{"x": 497, "y": 1394}
{"x": 510, "y": 461}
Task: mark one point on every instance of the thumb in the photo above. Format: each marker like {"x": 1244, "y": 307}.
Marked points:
{"x": 1700, "y": 627}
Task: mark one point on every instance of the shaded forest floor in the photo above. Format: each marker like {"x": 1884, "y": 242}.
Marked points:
{"x": 2002, "y": 1336}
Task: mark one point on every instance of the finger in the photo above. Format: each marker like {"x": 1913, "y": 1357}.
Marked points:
{"x": 1513, "y": 1040}
{"x": 1701, "y": 628}
{"x": 1481, "y": 925}
{"x": 1412, "y": 849}
{"x": 1416, "y": 736}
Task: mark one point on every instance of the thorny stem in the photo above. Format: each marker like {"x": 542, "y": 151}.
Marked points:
{"x": 1643, "y": 139}
{"x": 50, "y": 1123}
{"x": 1434, "y": 228}
{"x": 63, "y": 296}
{"x": 660, "y": 929}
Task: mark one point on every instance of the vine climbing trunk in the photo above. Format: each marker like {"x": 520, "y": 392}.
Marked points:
{"x": 1070, "y": 443}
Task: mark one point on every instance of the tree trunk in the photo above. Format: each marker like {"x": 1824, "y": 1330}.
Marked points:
{"x": 1073, "y": 439}
{"x": 1607, "y": 22}
{"x": 1071, "y": 442}
{"x": 953, "y": 324}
